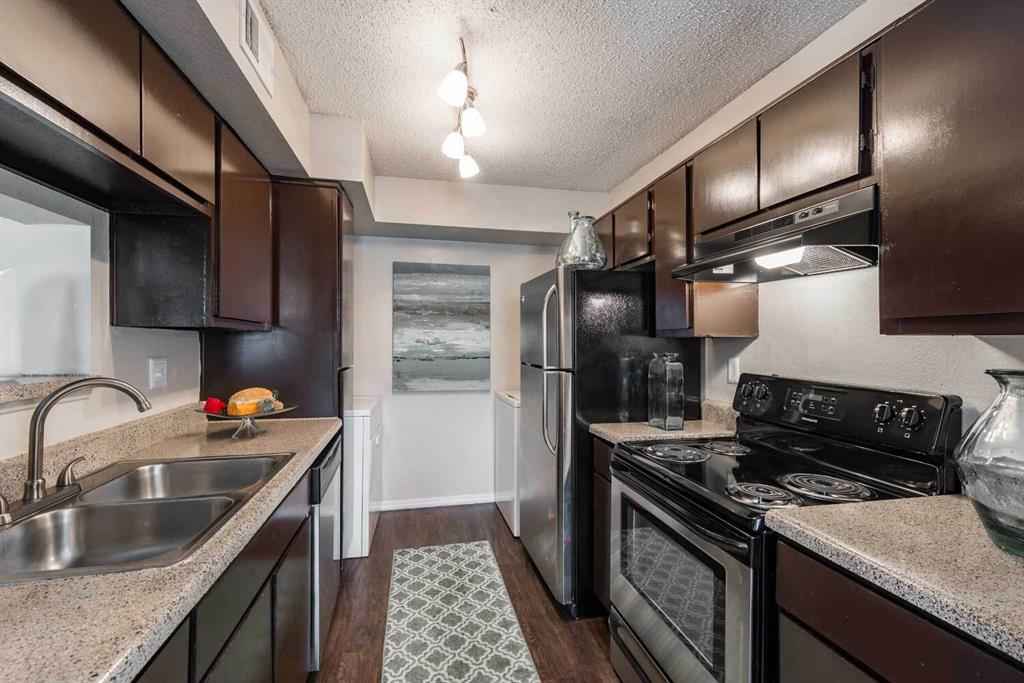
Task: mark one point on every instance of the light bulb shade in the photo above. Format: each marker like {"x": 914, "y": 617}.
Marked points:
{"x": 472, "y": 122}
{"x": 468, "y": 167}
{"x": 454, "y": 146}
{"x": 781, "y": 258}
{"x": 454, "y": 87}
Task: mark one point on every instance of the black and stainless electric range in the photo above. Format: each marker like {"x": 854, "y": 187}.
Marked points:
{"x": 691, "y": 558}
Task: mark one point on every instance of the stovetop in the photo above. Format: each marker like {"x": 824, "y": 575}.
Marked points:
{"x": 767, "y": 468}
{"x": 804, "y": 443}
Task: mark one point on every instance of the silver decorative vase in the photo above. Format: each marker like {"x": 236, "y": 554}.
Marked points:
{"x": 581, "y": 249}
{"x": 990, "y": 459}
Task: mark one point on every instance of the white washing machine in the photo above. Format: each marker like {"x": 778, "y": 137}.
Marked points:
{"x": 506, "y": 456}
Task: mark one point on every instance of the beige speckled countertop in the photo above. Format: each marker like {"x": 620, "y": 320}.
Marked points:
{"x": 931, "y": 552}
{"x": 106, "y": 627}
{"x": 719, "y": 422}
{"x": 620, "y": 432}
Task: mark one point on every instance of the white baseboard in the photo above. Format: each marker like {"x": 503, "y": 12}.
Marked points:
{"x": 443, "y": 501}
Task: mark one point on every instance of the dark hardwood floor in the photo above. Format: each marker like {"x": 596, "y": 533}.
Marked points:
{"x": 564, "y": 650}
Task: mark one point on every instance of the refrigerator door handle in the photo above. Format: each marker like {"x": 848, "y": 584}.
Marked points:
{"x": 552, "y": 446}
{"x": 544, "y": 331}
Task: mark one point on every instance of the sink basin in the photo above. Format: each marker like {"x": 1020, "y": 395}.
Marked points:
{"x": 87, "y": 538}
{"x": 133, "y": 514}
{"x": 185, "y": 478}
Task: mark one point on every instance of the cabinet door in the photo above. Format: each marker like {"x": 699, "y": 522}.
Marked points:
{"x": 178, "y": 127}
{"x": 668, "y": 215}
{"x": 950, "y": 106}
{"x": 725, "y": 179}
{"x": 83, "y": 54}
{"x": 347, "y": 274}
{"x": 249, "y": 655}
{"x": 292, "y": 610}
{"x": 632, "y": 230}
{"x": 602, "y": 529}
{"x": 170, "y": 664}
{"x": 605, "y": 232}
{"x": 245, "y": 238}
{"x": 811, "y": 139}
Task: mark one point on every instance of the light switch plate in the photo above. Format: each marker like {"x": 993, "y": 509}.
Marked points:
{"x": 157, "y": 373}
{"x": 734, "y": 370}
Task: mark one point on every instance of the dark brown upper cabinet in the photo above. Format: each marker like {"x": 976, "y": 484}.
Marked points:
{"x": 725, "y": 179}
{"x": 179, "y": 130}
{"x": 812, "y": 138}
{"x": 605, "y": 229}
{"x": 632, "y": 230}
{"x": 347, "y": 275}
{"x": 950, "y": 99}
{"x": 85, "y": 55}
{"x": 245, "y": 237}
{"x": 668, "y": 216}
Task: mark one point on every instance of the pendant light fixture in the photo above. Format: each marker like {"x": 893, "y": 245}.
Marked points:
{"x": 472, "y": 123}
{"x": 454, "y": 146}
{"x": 456, "y": 91}
{"x": 453, "y": 88}
{"x": 468, "y": 167}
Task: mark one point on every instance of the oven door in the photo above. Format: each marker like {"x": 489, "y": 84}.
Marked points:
{"x": 682, "y": 583}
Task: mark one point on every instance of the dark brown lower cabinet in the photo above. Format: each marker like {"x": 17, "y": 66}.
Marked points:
{"x": 249, "y": 654}
{"x": 602, "y": 528}
{"x": 833, "y": 627}
{"x": 170, "y": 664}
{"x": 293, "y": 611}
{"x": 804, "y": 658}
{"x": 254, "y": 623}
{"x": 602, "y": 493}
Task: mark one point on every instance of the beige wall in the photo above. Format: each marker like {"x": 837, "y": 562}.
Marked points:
{"x": 438, "y": 447}
{"x": 117, "y": 352}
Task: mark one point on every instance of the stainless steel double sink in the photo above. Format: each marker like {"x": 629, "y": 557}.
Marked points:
{"x": 134, "y": 514}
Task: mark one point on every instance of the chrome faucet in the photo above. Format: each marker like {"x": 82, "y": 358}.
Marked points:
{"x": 35, "y": 485}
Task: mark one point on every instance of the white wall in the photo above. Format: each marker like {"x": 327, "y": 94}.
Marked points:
{"x": 826, "y": 327}
{"x": 438, "y": 447}
{"x": 117, "y": 352}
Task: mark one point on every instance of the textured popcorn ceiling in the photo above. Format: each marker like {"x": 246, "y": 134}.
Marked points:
{"x": 576, "y": 95}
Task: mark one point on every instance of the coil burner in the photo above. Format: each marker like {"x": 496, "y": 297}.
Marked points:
{"x": 761, "y": 496}
{"x": 674, "y": 452}
{"x": 825, "y": 487}
{"x": 726, "y": 447}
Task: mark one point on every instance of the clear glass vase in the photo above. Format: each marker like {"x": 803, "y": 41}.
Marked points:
{"x": 990, "y": 458}
{"x": 581, "y": 249}
{"x": 674, "y": 398}
{"x": 656, "y": 407}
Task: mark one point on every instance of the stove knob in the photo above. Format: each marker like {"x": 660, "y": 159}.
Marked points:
{"x": 746, "y": 390}
{"x": 884, "y": 413}
{"x": 911, "y": 418}
{"x": 761, "y": 392}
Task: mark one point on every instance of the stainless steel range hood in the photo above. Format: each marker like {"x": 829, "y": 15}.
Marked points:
{"x": 827, "y": 237}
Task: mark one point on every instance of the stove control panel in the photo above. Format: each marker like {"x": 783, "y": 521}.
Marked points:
{"x": 908, "y": 421}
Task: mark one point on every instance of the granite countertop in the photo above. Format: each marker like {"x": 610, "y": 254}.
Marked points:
{"x": 620, "y": 432}
{"x": 106, "y": 627}
{"x": 931, "y": 552}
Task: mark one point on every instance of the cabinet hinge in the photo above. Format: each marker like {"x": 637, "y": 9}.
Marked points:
{"x": 867, "y": 141}
{"x": 867, "y": 77}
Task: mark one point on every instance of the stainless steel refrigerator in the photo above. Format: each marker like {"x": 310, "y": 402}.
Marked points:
{"x": 585, "y": 345}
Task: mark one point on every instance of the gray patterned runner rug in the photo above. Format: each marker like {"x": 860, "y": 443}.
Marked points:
{"x": 450, "y": 619}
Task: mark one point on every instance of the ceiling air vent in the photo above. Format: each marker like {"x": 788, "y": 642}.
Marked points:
{"x": 257, "y": 42}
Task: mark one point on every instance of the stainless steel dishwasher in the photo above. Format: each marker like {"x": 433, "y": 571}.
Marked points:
{"x": 325, "y": 527}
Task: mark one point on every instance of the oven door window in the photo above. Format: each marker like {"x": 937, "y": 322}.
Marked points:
{"x": 680, "y": 582}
